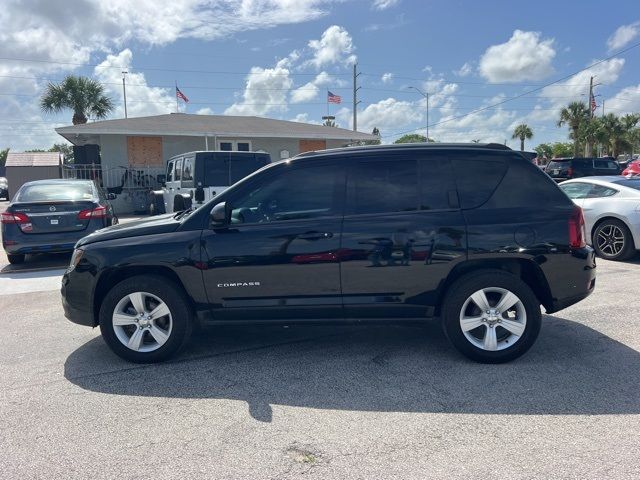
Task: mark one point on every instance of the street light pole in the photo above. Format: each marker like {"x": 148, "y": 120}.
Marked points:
{"x": 425, "y": 95}
{"x": 124, "y": 92}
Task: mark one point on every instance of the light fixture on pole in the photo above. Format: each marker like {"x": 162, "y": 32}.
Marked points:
{"x": 425, "y": 95}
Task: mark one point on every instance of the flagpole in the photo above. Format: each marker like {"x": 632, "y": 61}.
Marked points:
{"x": 327, "y": 100}
{"x": 177, "y": 108}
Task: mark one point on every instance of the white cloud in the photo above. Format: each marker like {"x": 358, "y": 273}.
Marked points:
{"x": 205, "y": 111}
{"x": 625, "y": 101}
{"x": 265, "y": 91}
{"x": 310, "y": 90}
{"x": 387, "y": 77}
{"x": 388, "y": 115}
{"x": 304, "y": 118}
{"x": 334, "y": 47}
{"x": 465, "y": 70}
{"x": 384, "y": 4}
{"x": 523, "y": 57}
{"x": 623, "y": 36}
{"x": 141, "y": 99}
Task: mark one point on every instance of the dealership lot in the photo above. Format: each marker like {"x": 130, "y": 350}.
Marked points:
{"x": 326, "y": 402}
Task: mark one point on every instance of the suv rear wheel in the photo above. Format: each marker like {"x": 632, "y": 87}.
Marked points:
{"x": 145, "y": 319}
{"x": 612, "y": 240}
{"x": 491, "y": 316}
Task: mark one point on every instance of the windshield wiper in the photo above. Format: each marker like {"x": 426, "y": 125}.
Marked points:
{"x": 184, "y": 213}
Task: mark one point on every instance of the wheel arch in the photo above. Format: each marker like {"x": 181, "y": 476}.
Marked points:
{"x": 110, "y": 279}
{"x": 527, "y": 270}
{"x": 610, "y": 216}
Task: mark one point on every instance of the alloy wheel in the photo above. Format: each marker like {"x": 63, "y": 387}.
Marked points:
{"x": 142, "y": 322}
{"x": 493, "y": 319}
{"x": 610, "y": 240}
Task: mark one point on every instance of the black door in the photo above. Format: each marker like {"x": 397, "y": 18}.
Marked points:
{"x": 402, "y": 231}
{"x": 279, "y": 258}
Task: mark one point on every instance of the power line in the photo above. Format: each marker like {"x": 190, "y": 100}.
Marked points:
{"x": 635, "y": 45}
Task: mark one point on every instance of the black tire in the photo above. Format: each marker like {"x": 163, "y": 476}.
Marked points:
{"x": 171, "y": 295}
{"x": 462, "y": 290}
{"x": 156, "y": 204}
{"x": 15, "y": 259}
{"x": 604, "y": 229}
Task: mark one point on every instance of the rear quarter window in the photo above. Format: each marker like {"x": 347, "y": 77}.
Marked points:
{"x": 525, "y": 186}
{"x": 477, "y": 175}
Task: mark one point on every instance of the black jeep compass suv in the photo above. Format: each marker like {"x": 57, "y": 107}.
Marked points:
{"x": 473, "y": 234}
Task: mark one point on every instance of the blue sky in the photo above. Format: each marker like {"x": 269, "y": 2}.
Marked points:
{"x": 278, "y": 58}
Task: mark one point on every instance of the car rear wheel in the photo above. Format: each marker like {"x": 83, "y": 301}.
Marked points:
{"x": 491, "y": 316}
{"x": 145, "y": 319}
{"x": 15, "y": 259}
{"x": 612, "y": 240}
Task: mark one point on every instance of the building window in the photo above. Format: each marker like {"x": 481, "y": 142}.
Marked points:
{"x": 234, "y": 146}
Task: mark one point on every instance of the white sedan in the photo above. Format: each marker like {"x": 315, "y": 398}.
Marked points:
{"x": 611, "y": 208}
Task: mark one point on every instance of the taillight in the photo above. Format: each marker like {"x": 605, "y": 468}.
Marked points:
{"x": 9, "y": 217}
{"x": 570, "y": 172}
{"x": 98, "y": 212}
{"x": 577, "y": 232}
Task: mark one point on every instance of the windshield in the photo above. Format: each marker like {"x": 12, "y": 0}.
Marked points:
{"x": 629, "y": 182}
{"x": 558, "y": 164}
{"x": 55, "y": 192}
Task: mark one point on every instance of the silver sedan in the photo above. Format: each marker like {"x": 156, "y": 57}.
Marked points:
{"x": 611, "y": 207}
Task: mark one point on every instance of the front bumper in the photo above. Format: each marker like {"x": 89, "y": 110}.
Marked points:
{"x": 77, "y": 297}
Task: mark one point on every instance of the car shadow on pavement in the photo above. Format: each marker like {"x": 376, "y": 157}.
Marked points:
{"x": 572, "y": 369}
{"x": 42, "y": 261}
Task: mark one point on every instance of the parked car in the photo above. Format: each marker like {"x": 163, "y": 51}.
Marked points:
{"x": 52, "y": 215}
{"x": 561, "y": 169}
{"x": 474, "y": 234}
{"x": 196, "y": 177}
{"x": 633, "y": 168}
{"x": 611, "y": 208}
{"x": 4, "y": 188}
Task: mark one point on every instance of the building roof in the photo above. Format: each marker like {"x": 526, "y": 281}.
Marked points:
{"x": 211, "y": 125}
{"x": 34, "y": 159}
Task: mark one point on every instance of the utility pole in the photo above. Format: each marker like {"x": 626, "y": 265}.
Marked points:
{"x": 603, "y": 107}
{"x": 425, "y": 95}
{"x": 355, "y": 97}
{"x": 124, "y": 92}
{"x": 590, "y": 97}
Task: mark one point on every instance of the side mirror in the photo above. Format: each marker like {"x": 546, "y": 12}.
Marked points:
{"x": 220, "y": 214}
{"x": 111, "y": 196}
{"x": 199, "y": 195}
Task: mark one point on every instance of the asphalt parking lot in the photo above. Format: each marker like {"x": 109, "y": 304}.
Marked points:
{"x": 319, "y": 402}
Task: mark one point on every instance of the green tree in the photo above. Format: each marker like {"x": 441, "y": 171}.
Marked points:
{"x": 573, "y": 116}
{"x": 412, "y": 138}
{"x": 562, "y": 149}
{"x": 329, "y": 123}
{"x": 523, "y": 132}
{"x": 65, "y": 149}
{"x": 590, "y": 132}
{"x": 83, "y": 95}
{"x": 544, "y": 150}
{"x": 475, "y": 140}
{"x": 3, "y": 156}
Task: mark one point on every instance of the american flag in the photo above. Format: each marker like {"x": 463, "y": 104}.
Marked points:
{"x": 593, "y": 104}
{"x": 181, "y": 95}
{"x": 333, "y": 98}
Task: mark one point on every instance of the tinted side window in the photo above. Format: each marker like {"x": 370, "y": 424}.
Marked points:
{"x": 305, "y": 192}
{"x": 477, "y": 175}
{"x": 525, "y": 186}
{"x": 380, "y": 186}
{"x": 437, "y": 186}
{"x": 170, "y": 172}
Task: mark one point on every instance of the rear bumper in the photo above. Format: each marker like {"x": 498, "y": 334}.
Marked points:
{"x": 18, "y": 243}
{"x": 574, "y": 281}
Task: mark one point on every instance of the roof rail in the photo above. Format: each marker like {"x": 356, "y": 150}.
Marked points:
{"x": 496, "y": 146}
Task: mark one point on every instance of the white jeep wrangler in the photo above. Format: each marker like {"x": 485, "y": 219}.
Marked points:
{"x": 196, "y": 177}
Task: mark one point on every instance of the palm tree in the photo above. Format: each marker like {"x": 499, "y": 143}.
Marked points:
{"x": 523, "y": 132}
{"x": 574, "y": 115}
{"x": 83, "y": 95}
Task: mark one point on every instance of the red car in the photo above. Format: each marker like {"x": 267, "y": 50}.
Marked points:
{"x": 632, "y": 169}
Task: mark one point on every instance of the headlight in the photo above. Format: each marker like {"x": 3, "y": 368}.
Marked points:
{"x": 75, "y": 258}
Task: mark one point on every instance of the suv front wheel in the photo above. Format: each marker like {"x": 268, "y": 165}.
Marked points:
{"x": 145, "y": 319}
{"x": 491, "y": 316}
